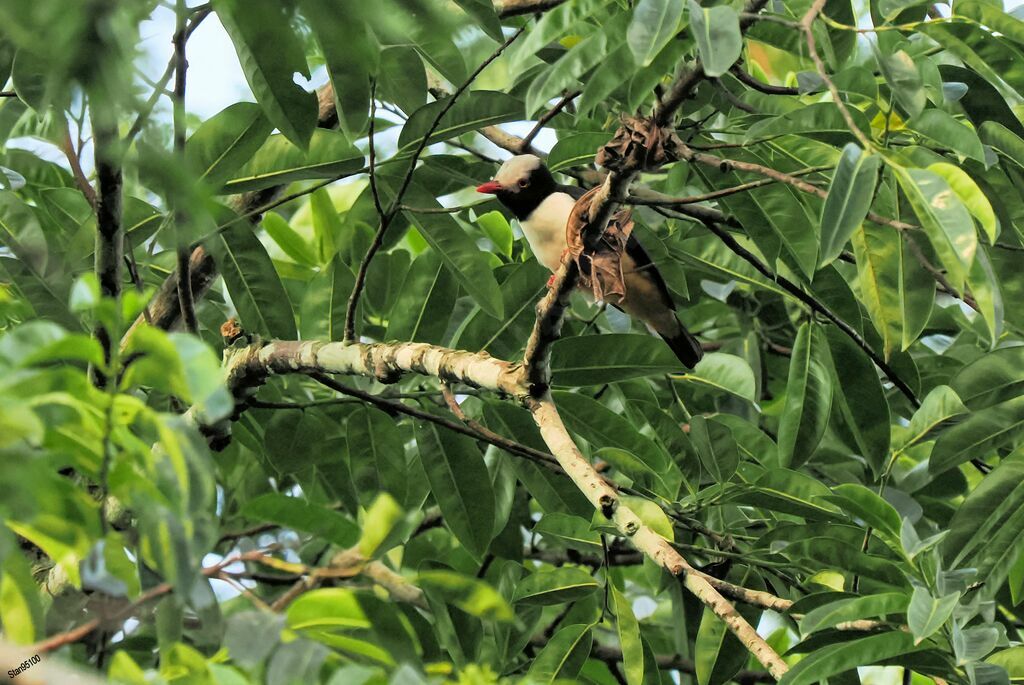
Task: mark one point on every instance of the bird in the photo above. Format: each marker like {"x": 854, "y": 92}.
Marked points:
{"x": 529, "y": 190}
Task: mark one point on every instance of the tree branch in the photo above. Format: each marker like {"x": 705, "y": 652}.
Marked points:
{"x": 186, "y": 302}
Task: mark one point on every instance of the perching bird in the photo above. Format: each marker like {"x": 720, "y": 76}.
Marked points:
{"x": 542, "y": 205}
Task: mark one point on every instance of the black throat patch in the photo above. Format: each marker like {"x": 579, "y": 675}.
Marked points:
{"x": 522, "y": 201}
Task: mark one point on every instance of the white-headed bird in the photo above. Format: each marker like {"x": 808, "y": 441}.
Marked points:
{"x": 542, "y": 205}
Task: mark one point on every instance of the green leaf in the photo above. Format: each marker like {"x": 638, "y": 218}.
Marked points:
{"x": 991, "y": 378}
{"x": 970, "y": 195}
{"x": 351, "y": 54}
{"x": 472, "y": 111}
{"x": 808, "y": 398}
{"x": 564, "y": 654}
{"x": 563, "y": 74}
{"x": 21, "y": 609}
{"x": 654, "y": 24}
{"x": 334, "y": 608}
{"x": 610, "y": 357}
{"x": 279, "y": 162}
{"x": 926, "y": 614}
{"x": 602, "y": 427}
{"x": 717, "y": 31}
{"x": 981, "y": 432}
{"x": 716, "y": 448}
{"x": 901, "y": 74}
{"x": 497, "y": 229}
{"x": 724, "y": 372}
{"x": 376, "y": 454}
{"x": 986, "y": 530}
{"x": 853, "y": 609}
{"x": 290, "y": 242}
{"x": 473, "y": 596}
{"x": 837, "y": 658}
{"x": 947, "y": 131}
{"x": 822, "y": 117}
{"x": 424, "y": 304}
{"x": 629, "y": 638}
{"x": 226, "y": 141}
{"x": 939, "y": 406}
{"x": 944, "y": 218}
{"x": 988, "y": 296}
{"x": 575, "y": 150}
{"x": 878, "y": 253}
{"x": 862, "y": 401}
{"x": 849, "y": 199}
{"x": 460, "y": 483}
{"x": 865, "y": 504}
{"x": 461, "y": 256}
{"x": 572, "y": 531}
{"x": 303, "y": 516}
{"x": 271, "y": 53}
{"x": 708, "y": 645}
{"x": 255, "y": 288}
{"x": 555, "y": 586}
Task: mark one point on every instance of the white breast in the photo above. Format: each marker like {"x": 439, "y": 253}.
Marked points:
{"x": 545, "y": 228}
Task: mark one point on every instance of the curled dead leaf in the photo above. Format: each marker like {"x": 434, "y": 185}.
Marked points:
{"x": 639, "y": 144}
{"x": 600, "y": 267}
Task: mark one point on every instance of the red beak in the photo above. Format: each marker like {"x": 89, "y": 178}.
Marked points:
{"x": 491, "y": 187}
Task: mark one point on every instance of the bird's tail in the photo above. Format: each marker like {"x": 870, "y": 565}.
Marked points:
{"x": 686, "y": 347}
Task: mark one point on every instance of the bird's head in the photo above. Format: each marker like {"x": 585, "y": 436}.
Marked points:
{"x": 521, "y": 184}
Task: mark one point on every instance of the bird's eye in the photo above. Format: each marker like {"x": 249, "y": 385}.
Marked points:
{"x": 523, "y": 182}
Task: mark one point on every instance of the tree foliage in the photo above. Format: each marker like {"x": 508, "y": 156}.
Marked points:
{"x": 837, "y": 217}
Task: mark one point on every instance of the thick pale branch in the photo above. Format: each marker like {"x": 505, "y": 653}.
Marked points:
{"x": 655, "y": 547}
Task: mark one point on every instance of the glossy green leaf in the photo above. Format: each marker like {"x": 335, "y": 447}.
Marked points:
{"x": 575, "y": 150}
{"x": 223, "y": 143}
{"x": 717, "y": 32}
{"x": 460, "y": 483}
{"x": 563, "y": 655}
{"x": 849, "y": 199}
{"x": 862, "y": 401}
{"x": 878, "y": 253}
{"x": 497, "y": 229}
{"x": 808, "y": 398}
{"x": 724, "y": 373}
{"x": 304, "y": 516}
{"x": 903, "y": 77}
{"x": 654, "y": 23}
{"x": 270, "y": 53}
{"x": 571, "y": 531}
{"x": 716, "y": 448}
{"x": 837, "y": 658}
{"x": 253, "y": 283}
{"x": 926, "y": 614}
{"x": 944, "y": 218}
{"x": 820, "y": 117}
{"x": 424, "y": 303}
{"x": 629, "y": 638}
{"x": 467, "y": 264}
{"x": 610, "y": 357}
{"x": 939, "y": 406}
{"x": 565, "y": 72}
{"x": 469, "y": 113}
{"x": 978, "y": 434}
{"x": 279, "y": 162}
{"x": 555, "y": 586}
{"x": 290, "y": 242}
{"x": 948, "y": 132}
{"x": 970, "y": 195}
{"x": 869, "y": 507}
{"x": 853, "y": 609}
{"x": 708, "y": 645}
{"x": 991, "y": 378}
{"x": 473, "y": 596}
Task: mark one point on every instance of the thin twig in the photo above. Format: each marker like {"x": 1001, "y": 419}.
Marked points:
{"x": 161, "y": 85}
{"x": 806, "y": 25}
{"x": 721, "y": 192}
{"x": 81, "y": 180}
{"x": 548, "y": 116}
{"x": 746, "y": 79}
{"x": 388, "y": 216}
